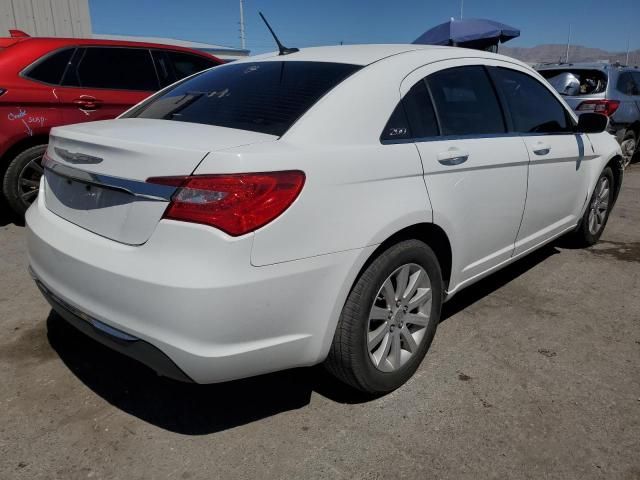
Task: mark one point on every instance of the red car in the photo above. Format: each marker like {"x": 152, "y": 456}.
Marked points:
{"x": 46, "y": 82}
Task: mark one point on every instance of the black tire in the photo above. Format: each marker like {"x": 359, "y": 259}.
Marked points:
{"x": 629, "y": 155}
{"x": 349, "y": 358}
{"x": 583, "y": 235}
{"x": 21, "y": 170}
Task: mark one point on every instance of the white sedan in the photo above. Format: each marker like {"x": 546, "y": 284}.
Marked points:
{"x": 320, "y": 206}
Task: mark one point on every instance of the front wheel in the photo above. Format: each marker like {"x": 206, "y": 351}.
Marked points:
{"x": 629, "y": 146}
{"x": 389, "y": 319}
{"x": 22, "y": 179}
{"x": 597, "y": 213}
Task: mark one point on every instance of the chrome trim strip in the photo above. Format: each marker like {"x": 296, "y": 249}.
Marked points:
{"x": 143, "y": 190}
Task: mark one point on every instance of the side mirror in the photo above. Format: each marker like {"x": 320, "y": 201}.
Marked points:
{"x": 592, "y": 123}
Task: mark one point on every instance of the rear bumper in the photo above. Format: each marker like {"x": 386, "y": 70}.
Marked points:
{"x": 119, "y": 341}
{"x": 191, "y": 294}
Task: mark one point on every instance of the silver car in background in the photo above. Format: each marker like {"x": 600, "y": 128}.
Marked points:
{"x": 611, "y": 89}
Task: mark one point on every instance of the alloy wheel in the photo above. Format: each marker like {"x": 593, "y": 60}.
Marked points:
{"x": 399, "y": 317}
{"x": 29, "y": 180}
{"x": 599, "y": 206}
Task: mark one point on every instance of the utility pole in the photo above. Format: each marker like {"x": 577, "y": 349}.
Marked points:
{"x": 627, "y": 62}
{"x": 568, "y": 43}
{"x": 461, "y": 8}
{"x": 242, "y": 37}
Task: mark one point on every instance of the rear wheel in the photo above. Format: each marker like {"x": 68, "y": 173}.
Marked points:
{"x": 22, "y": 179}
{"x": 597, "y": 213}
{"x": 389, "y": 319}
{"x": 629, "y": 146}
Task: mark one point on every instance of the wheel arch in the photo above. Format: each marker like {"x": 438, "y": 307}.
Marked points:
{"x": 616, "y": 165}
{"x": 429, "y": 233}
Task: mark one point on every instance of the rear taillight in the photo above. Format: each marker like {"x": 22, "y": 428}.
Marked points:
{"x": 234, "y": 203}
{"x": 606, "y": 107}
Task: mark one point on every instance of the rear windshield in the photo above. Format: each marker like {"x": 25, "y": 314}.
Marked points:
{"x": 265, "y": 97}
{"x": 575, "y": 82}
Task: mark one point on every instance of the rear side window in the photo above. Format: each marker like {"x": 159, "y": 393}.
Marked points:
{"x": 185, "y": 64}
{"x": 533, "y": 107}
{"x": 466, "y": 102}
{"x": 113, "y": 68}
{"x": 627, "y": 84}
{"x": 413, "y": 118}
{"x": 265, "y": 97}
{"x": 576, "y": 81}
{"x": 51, "y": 68}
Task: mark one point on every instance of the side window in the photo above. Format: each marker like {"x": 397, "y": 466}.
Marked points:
{"x": 627, "y": 84}
{"x": 185, "y": 64}
{"x": 114, "y": 68}
{"x": 164, "y": 69}
{"x": 51, "y": 69}
{"x": 466, "y": 102}
{"x": 533, "y": 108}
{"x": 413, "y": 117}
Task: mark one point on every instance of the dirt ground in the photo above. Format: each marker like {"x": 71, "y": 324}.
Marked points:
{"x": 534, "y": 373}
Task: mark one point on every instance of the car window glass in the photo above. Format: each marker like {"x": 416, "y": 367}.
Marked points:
{"x": 114, "y": 68}
{"x": 466, "y": 102}
{"x": 185, "y": 64}
{"x": 534, "y": 109}
{"x": 51, "y": 69}
{"x": 266, "y": 97}
{"x": 636, "y": 79}
{"x": 164, "y": 70}
{"x": 627, "y": 84}
{"x": 413, "y": 117}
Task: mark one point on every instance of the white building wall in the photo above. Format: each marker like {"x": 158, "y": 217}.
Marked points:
{"x": 46, "y": 18}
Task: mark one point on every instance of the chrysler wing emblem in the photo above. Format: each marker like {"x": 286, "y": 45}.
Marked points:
{"x": 75, "y": 157}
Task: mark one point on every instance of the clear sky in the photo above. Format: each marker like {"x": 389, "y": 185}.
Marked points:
{"x": 601, "y": 24}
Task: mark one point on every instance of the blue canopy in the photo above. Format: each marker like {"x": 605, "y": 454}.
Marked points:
{"x": 471, "y": 32}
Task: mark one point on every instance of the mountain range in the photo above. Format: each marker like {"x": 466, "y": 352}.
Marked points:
{"x": 577, "y": 53}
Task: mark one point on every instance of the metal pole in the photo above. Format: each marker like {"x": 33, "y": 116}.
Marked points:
{"x": 461, "y": 8}
{"x": 242, "y": 37}
{"x": 568, "y": 43}
{"x": 627, "y": 62}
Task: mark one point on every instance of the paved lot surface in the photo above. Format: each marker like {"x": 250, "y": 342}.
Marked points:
{"x": 534, "y": 373}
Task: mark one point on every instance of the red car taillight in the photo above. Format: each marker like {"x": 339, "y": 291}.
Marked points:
{"x": 234, "y": 203}
{"x": 606, "y": 107}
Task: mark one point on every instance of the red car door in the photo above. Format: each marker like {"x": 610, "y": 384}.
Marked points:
{"x": 102, "y": 82}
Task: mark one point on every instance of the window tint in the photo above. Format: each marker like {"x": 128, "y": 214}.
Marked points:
{"x": 266, "y": 97}
{"x": 533, "y": 107}
{"x": 636, "y": 78}
{"x": 163, "y": 68}
{"x": 466, "y": 102}
{"x": 413, "y": 117}
{"x": 185, "y": 64}
{"x": 627, "y": 84}
{"x": 51, "y": 69}
{"x": 114, "y": 68}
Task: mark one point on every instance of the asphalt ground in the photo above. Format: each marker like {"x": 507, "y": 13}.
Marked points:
{"x": 534, "y": 373}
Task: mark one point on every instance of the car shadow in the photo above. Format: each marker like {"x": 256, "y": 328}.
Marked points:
{"x": 192, "y": 409}
{"x": 7, "y": 217}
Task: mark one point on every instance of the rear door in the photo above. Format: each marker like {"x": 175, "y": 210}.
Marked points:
{"x": 557, "y": 182}
{"x": 102, "y": 82}
{"x": 475, "y": 172}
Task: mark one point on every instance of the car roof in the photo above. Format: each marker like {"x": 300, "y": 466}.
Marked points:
{"x": 52, "y": 43}
{"x": 370, "y": 53}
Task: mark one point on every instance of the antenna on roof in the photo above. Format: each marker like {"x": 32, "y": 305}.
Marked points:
{"x": 281, "y": 48}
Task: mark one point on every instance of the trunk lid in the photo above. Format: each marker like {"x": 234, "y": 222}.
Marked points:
{"x": 96, "y": 172}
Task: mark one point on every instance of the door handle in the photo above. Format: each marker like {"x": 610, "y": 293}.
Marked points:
{"x": 87, "y": 103}
{"x": 452, "y": 157}
{"x": 542, "y": 149}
